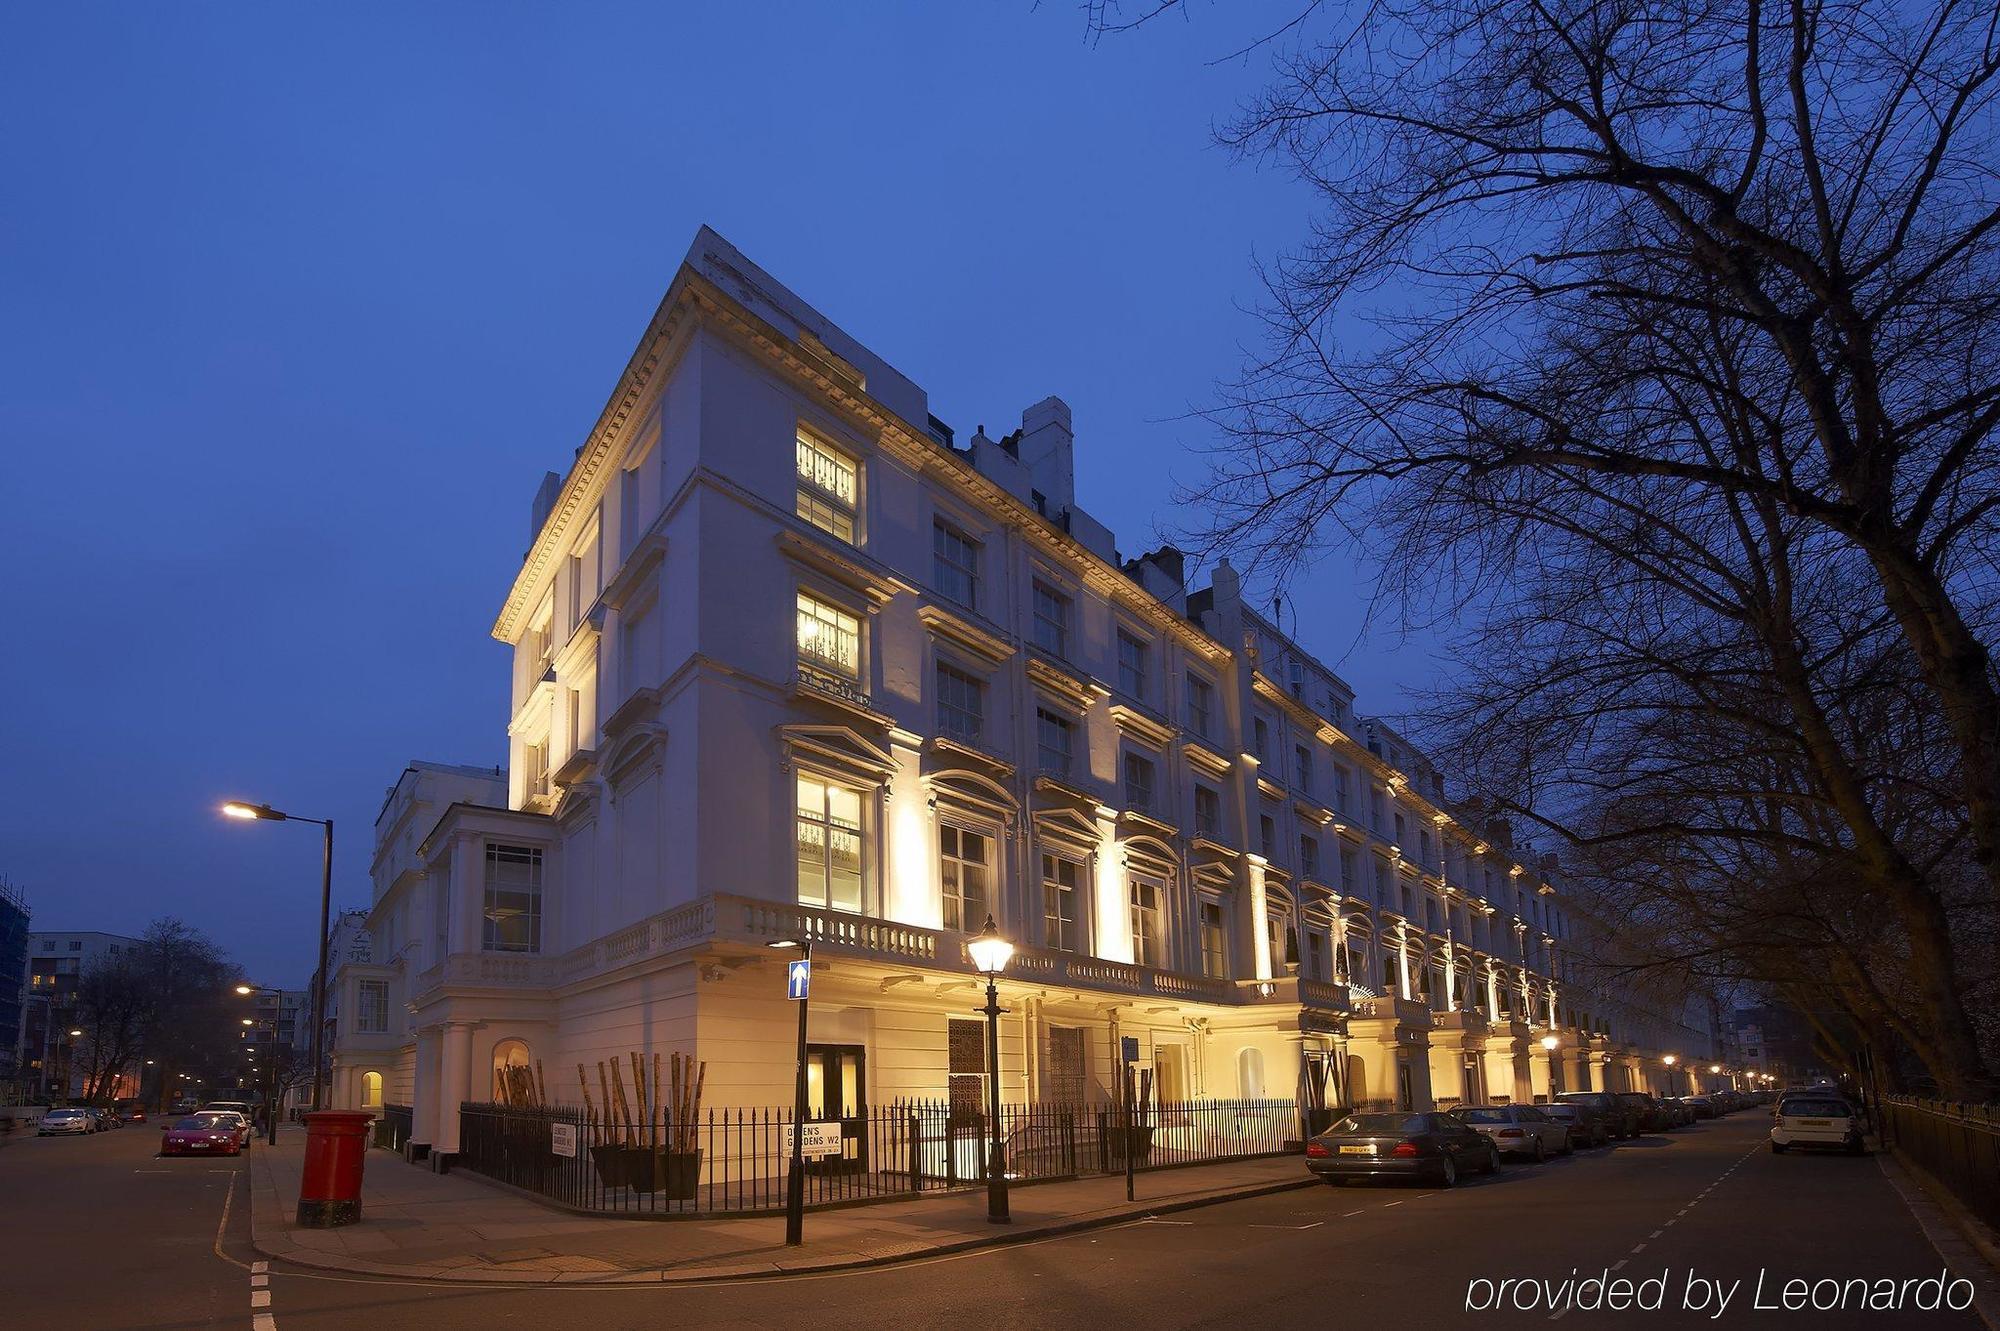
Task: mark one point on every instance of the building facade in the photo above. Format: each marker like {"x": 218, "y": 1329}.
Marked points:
{"x": 56, "y": 1062}
{"x": 14, "y": 918}
{"x": 792, "y": 663}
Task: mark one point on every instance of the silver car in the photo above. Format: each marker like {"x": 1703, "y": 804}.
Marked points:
{"x": 65, "y": 1123}
{"x": 1518, "y": 1130}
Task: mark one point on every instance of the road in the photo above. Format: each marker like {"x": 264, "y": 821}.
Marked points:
{"x": 110, "y": 1243}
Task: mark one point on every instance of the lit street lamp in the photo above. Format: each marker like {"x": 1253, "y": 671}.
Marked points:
{"x": 990, "y": 954}
{"x": 271, "y": 1068}
{"x": 265, "y": 813}
{"x": 1549, "y": 1043}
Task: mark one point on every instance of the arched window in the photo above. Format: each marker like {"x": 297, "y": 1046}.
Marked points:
{"x": 1250, "y": 1073}
{"x": 508, "y": 1054}
{"x": 371, "y": 1090}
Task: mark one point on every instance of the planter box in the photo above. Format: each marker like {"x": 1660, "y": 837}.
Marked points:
{"x": 614, "y": 1165}
{"x": 676, "y": 1173}
{"x": 1135, "y": 1140}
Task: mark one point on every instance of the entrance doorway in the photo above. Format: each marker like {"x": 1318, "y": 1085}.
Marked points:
{"x": 837, "y": 1089}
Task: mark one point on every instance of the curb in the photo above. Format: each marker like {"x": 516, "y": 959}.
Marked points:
{"x": 1907, "y": 1177}
{"x": 283, "y": 1249}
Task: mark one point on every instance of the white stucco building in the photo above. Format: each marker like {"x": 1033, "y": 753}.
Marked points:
{"x": 790, "y": 660}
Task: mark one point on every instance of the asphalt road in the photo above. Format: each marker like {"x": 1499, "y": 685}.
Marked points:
{"x": 1707, "y": 1202}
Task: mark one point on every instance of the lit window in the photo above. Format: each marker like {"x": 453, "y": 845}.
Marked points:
{"x": 1214, "y": 949}
{"x": 1131, "y": 665}
{"x": 1059, "y": 921}
{"x": 829, "y": 637}
{"x": 955, "y": 564}
{"x": 830, "y": 844}
{"x": 1051, "y": 619}
{"x": 961, "y": 703}
{"x": 1138, "y": 782}
{"x": 1146, "y": 948}
{"x": 1200, "y": 705}
{"x": 965, "y": 860}
{"x": 1052, "y": 742}
{"x": 827, "y": 488}
{"x": 513, "y": 905}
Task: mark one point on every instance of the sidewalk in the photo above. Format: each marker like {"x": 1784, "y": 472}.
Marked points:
{"x": 457, "y": 1227}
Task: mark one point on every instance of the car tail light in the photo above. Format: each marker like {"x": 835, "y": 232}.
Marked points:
{"x": 1511, "y": 1132}
{"x": 1407, "y": 1148}
{"x": 1317, "y": 1150}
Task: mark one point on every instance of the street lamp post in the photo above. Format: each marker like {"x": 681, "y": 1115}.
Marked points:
{"x": 990, "y": 954}
{"x": 1670, "y": 1060}
{"x": 271, "y": 1072}
{"x": 795, "y": 1178}
{"x": 1549, "y": 1044}
{"x": 264, "y": 812}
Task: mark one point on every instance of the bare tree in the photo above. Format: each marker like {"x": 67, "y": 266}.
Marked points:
{"x": 1674, "y": 330}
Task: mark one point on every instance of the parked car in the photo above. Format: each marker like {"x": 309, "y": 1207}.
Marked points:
{"x": 226, "y": 1107}
{"x": 240, "y": 1122}
{"x": 1586, "y": 1126}
{"x": 203, "y": 1134}
{"x": 1699, "y": 1106}
{"x": 1517, "y": 1129}
{"x": 1621, "y": 1118}
{"x": 1435, "y": 1147}
{"x": 1810, "y": 1119}
{"x": 135, "y": 1114}
{"x": 1654, "y": 1116}
{"x": 111, "y": 1118}
{"x": 66, "y": 1123}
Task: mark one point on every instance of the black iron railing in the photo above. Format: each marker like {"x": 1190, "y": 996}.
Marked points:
{"x": 734, "y": 1161}
{"x": 1957, "y": 1143}
{"x": 392, "y": 1129}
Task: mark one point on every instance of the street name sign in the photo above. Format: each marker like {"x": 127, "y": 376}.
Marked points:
{"x": 562, "y": 1139}
{"x": 820, "y": 1140}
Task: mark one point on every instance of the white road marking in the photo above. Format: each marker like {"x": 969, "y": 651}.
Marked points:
{"x": 1314, "y": 1225}
{"x": 259, "y": 1268}
{"x": 1656, "y": 1233}
{"x": 264, "y": 1322}
{"x": 260, "y": 1281}
{"x": 1638, "y": 1248}
{"x": 1353, "y": 1213}
{"x": 260, "y": 1298}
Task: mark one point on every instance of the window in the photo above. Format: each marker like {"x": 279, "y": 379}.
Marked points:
{"x": 371, "y": 1090}
{"x": 830, "y": 844}
{"x": 1200, "y": 705}
{"x": 1382, "y": 882}
{"x": 1375, "y": 809}
{"x": 1302, "y": 757}
{"x": 1297, "y": 672}
{"x": 513, "y": 906}
{"x": 1131, "y": 665}
{"x": 1214, "y": 942}
{"x": 965, "y": 1079}
{"x": 827, "y": 488}
{"x": 1052, "y": 741}
{"x": 829, "y": 637}
{"x": 1260, "y": 742}
{"x": 1059, "y": 926}
{"x": 585, "y": 574}
{"x": 1402, "y": 830}
{"x": 1207, "y": 812}
{"x": 1051, "y": 619}
{"x": 1267, "y": 836}
{"x": 1281, "y": 955}
{"x": 961, "y": 703}
{"x": 1308, "y": 857}
{"x": 1315, "y": 956}
{"x": 372, "y": 1000}
{"x": 1347, "y": 875}
{"x": 1424, "y": 848}
{"x": 955, "y": 564}
{"x": 965, "y": 860}
{"x": 1138, "y": 782}
{"x": 76, "y": 945}
{"x": 1146, "y": 893}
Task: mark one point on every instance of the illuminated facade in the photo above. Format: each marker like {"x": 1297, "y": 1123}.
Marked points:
{"x": 789, "y": 660}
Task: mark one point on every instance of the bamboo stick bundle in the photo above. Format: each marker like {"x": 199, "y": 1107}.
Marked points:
{"x": 694, "y": 1100}
{"x": 589, "y": 1111}
{"x": 648, "y": 1100}
{"x": 656, "y": 1096}
{"x": 624, "y": 1107}
{"x": 541, "y": 1086}
{"x": 610, "y": 1113}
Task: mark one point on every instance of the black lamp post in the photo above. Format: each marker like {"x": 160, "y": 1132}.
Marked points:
{"x": 990, "y": 954}
{"x": 264, "y": 812}
{"x": 271, "y": 1073}
{"x": 795, "y": 1177}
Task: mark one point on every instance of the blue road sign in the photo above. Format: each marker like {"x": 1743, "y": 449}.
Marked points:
{"x": 798, "y": 979}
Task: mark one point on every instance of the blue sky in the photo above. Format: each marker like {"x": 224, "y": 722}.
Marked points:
{"x": 299, "y": 304}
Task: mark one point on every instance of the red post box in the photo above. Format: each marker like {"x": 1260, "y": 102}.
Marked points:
{"x": 336, "y": 1147}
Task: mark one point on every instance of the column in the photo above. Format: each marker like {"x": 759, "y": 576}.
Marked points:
{"x": 453, "y": 1081}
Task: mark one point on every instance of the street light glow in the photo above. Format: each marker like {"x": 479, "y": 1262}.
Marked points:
{"x": 76, "y": 1032}
{"x": 989, "y": 951}
{"x": 245, "y": 990}
{"x": 1670, "y": 1059}
{"x": 1549, "y": 1042}
{"x": 243, "y": 809}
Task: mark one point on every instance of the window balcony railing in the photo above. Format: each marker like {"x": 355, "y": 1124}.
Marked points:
{"x": 831, "y": 684}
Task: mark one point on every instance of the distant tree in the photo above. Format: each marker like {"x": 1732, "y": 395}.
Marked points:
{"x": 113, "y": 1008}
{"x": 191, "y": 1023}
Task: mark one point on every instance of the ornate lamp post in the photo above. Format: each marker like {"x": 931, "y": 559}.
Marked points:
{"x": 990, "y": 954}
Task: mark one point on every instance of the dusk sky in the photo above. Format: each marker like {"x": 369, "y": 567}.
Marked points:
{"x": 297, "y": 306}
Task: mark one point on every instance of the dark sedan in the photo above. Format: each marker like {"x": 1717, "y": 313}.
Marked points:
{"x": 1623, "y": 1120}
{"x": 1436, "y": 1148}
{"x": 1654, "y": 1115}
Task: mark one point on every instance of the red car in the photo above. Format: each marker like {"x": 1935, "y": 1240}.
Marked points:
{"x": 203, "y": 1134}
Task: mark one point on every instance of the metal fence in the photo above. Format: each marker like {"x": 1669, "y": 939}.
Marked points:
{"x": 735, "y": 1161}
{"x": 1956, "y": 1142}
{"x": 392, "y": 1129}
